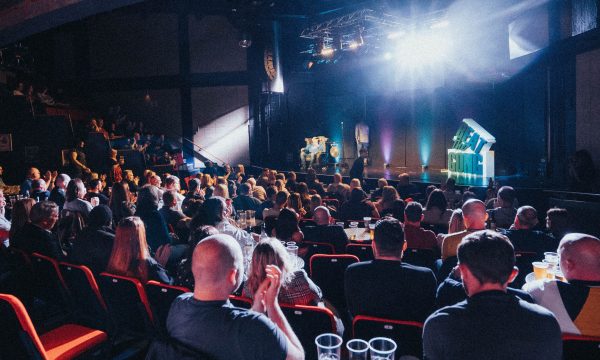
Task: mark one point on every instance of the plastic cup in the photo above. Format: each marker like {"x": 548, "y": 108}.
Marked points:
{"x": 251, "y": 217}
{"x": 551, "y": 258}
{"x": 340, "y": 223}
{"x": 382, "y": 348}
{"x": 367, "y": 221}
{"x": 328, "y": 346}
{"x": 372, "y": 231}
{"x": 292, "y": 250}
{"x": 353, "y": 225}
{"x": 357, "y": 349}
{"x": 540, "y": 269}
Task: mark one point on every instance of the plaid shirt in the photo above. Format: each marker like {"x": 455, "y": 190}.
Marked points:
{"x": 301, "y": 290}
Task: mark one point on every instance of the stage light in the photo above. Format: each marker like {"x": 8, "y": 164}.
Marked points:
{"x": 423, "y": 49}
{"x": 245, "y": 40}
{"x": 387, "y": 56}
{"x": 440, "y": 24}
{"x": 395, "y": 35}
{"x": 327, "y": 52}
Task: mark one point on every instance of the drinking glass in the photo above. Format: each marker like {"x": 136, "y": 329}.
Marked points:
{"x": 251, "y": 217}
{"x": 292, "y": 250}
{"x": 340, "y": 223}
{"x": 372, "y": 231}
{"x": 353, "y": 225}
{"x": 328, "y": 346}
{"x": 367, "y": 221}
{"x": 382, "y": 348}
{"x": 242, "y": 219}
{"x": 540, "y": 269}
{"x": 357, "y": 349}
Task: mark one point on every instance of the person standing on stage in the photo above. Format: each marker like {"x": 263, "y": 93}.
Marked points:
{"x": 361, "y": 134}
{"x": 358, "y": 167}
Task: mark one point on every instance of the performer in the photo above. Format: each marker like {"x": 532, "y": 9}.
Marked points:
{"x": 361, "y": 134}
{"x": 358, "y": 167}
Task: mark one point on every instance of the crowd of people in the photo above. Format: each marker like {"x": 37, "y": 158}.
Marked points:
{"x": 185, "y": 232}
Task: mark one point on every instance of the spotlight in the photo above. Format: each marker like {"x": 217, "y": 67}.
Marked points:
{"x": 387, "y": 56}
{"x": 245, "y": 40}
{"x": 439, "y": 24}
{"x": 327, "y": 51}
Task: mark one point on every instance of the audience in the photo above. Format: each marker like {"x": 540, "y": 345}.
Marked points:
{"x": 525, "y": 238}
{"x": 558, "y": 223}
{"x": 74, "y": 202}
{"x": 574, "y": 303}
{"x": 206, "y": 321}
{"x": 287, "y": 227}
{"x": 58, "y": 193}
{"x": 405, "y": 188}
{"x": 36, "y": 236}
{"x": 95, "y": 190}
{"x": 474, "y": 218}
{"x": 155, "y": 225}
{"x": 20, "y": 215}
{"x": 358, "y": 207}
{"x": 401, "y": 291}
{"x": 281, "y": 199}
{"x": 436, "y": 210}
{"x": 296, "y": 287}
{"x": 214, "y": 213}
{"x": 504, "y": 211}
{"x": 169, "y": 211}
{"x": 490, "y": 324}
{"x": 130, "y": 255}
{"x": 94, "y": 243}
{"x": 185, "y": 277}
{"x": 416, "y": 237}
{"x": 4, "y": 222}
{"x": 245, "y": 201}
{"x": 326, "y": 231}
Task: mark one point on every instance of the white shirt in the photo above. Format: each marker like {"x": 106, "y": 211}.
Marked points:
{"x": 241, "y": 236}
{"x": 79, "y": 205}
{"x": 361, "y": 132}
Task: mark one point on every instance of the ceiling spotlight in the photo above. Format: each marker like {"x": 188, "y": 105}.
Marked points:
{"x": 387, "y": 56}
{"x": 439, "y": 24}
{"x": 327, "y": 51}
{"x": 245, "y": 40}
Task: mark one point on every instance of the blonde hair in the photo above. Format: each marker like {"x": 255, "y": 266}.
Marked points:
{"x": 221, "y": 190}
{"x": 388, "y": 196}
{"x": 130, "y": 250}
{"x": 269, "y": 251}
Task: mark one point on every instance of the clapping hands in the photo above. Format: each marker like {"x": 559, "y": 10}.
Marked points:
{"x": 265, "y": 297}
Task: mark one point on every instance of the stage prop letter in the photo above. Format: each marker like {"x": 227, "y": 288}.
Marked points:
{"x": 470, "y": 154}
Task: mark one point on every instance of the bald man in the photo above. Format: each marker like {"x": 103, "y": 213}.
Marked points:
{"x": 474, "y": 217}
{"x": 206, "y": 321}
{"x": 524, "y": 236}
{"x": 325, "y": 231}
{"x": 576, "y": 303}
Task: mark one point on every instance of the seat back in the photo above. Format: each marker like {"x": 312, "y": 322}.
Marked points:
{"x": 19, "y": 338}
{"x": 308, "y": 322}
{"x": 362, "y": 251}
{"x": 327, "y": 271}
{"x": 420, "y": 257}
{"x": 580, "y": 347}
{"x": 160, "y": 297}
{"x": 85, "y": 298}
{"x": 447, "y": 265}
{"x": 20, "y": 283}
{"x": 127, "y": 304}
{"x": 406, "y": 334}
{"x": 49, "y": 284}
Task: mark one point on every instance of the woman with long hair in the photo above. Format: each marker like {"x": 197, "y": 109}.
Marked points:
{"x": 302, "y": 189}
{"x": 358, "y": 207}
{"x": 295, "y": 203}
{"x": 20, "y": 215}
{"x": 130, "y": 255}
{"x": 287, "y": 227}
{"x": 206, "y": 184}
{"x": 147, "y": 210}
{"x": 388, "y": 196}
{"x": 436, "y": 209}
{"x": 296, "y": 287}
{"x": 120, "y": 202}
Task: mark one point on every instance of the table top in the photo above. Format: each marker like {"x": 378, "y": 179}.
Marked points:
{"x": 358, "y": 234}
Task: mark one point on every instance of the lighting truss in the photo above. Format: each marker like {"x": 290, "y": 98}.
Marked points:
{"x": 366, "y": 18}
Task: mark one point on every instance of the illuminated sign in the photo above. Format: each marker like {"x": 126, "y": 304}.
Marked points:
{"x": 470, "y": 154}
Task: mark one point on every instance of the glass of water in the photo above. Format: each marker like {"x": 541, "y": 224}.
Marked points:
{"x": 382, "y": 348}
{"x": 357, "y": 349}
{"x": 328, "y": 346}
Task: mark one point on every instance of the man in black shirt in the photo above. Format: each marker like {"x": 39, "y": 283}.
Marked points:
{"x": 94, "y": 243}
{"x": 524, "y": 237}
{"x": 95, "y": 190}
{"x": 357, "y": 170}
{"x": 325, "y": 231}
{"x": 245, "y": 201}
{"x": 206, "y": 321}
{"x": 386, "y": 287}
{"x": 490, "y": 324}
{"x": 36, "y": 236}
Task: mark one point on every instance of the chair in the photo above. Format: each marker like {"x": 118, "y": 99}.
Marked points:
{"x": 49, "y": 283}
{"x": 308, "y": 322}
{"x": 446, "y": 267}
{"x": 161, "y": 296}
{"x": 581, "y": 347}
{"x": 362, "y": 251}
{"x": 86, "y": 300}
{"x": 20, "y": 339}
{"x": 20, "y": 283}
{"x": 420, "y": 257}
{"x": 523, "y": 262}
{"x": 127, "y": 304}
{"x": 406, "y": 334}
{"x": 327, "y": 271}
{"x": 240, "y": 301}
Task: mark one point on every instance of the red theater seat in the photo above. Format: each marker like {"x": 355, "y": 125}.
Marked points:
{"x": 65, "y": 342}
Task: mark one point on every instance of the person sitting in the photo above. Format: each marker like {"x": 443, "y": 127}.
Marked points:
{"x": 206, "y": 321}
{"x": 245, "y": 201}
{"x": 296, "y": 287}
{"x": 326, "y": 231}
{"x": 287, "y": 228}
{"x": 281, "y": 199}
{"x": 4, "y": 222}
{"x": 147, "y": 210}
{"x": 358, "y": 207}
{"x": 402, "y": 291}
{"x": 557, "y": 223}
{"x": 504, "y": 211}
{"x": 305, "y": 195}
{"x": 94, "y": 243}
{"x": 575, "y": 303}
{"x": 184, "y": 276}
{"x": 436, "y": 209}
{"x": 474, "y": 218}
{"x": 58, "y": 193}
{"x": 172, "y": 183}
{"x": 417, "y": 237}
{"x": 491, "y": 323}
{"x": 120, "y": 202}
{"x": 32, "y": 174}
{"x": 405, "y": 188}
{"x": 313, "y": 182}
{"x": 36, "y": 236}
{"x": 39, "y": 191}
{"x": 74, "y": 197}
{"x": 451, "y": 194}
{"x": 387, "y": 201}
{"x": 381, "y": 183}
{"x": 168, "y": 210}
{"x": 20, "y": 215}
{"x": 269, "y": 202}
{"x": 525, "y": 238}
{"x": 295, "y": 203}
{"x": 337, "y": 180}
{"x": 194, "y": 194}
{"x": 130, "y": 256}
{"x": 95, "y": 190}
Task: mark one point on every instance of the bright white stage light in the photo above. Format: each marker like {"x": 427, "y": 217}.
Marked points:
{"x": 439, "y": 24}
{"x": 387, "y": 56}
{"x": 423, "y": 49}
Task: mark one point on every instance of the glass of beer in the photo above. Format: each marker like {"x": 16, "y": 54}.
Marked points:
{"x": 372, "y": 231}
{"x": 540, "y": 269}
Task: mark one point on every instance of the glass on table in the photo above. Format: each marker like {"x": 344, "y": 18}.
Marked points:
{"x": 372, "y": 231}
{"x": 353, "y": 224}
{"x": 242, "y": 219}
{"x": 340, "y": 223}
{"x": 328, "y": 346}
{"x": 251, "y": 217}
{"x": 367, "y": 221}
{"x": 357, "y": 349}
{"x": 382, "y": 348}
{"x": 292, "y": 250}
{"x": 540, "y": 269}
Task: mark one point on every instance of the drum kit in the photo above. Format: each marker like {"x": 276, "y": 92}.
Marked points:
{"x": 319, "y": 151}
